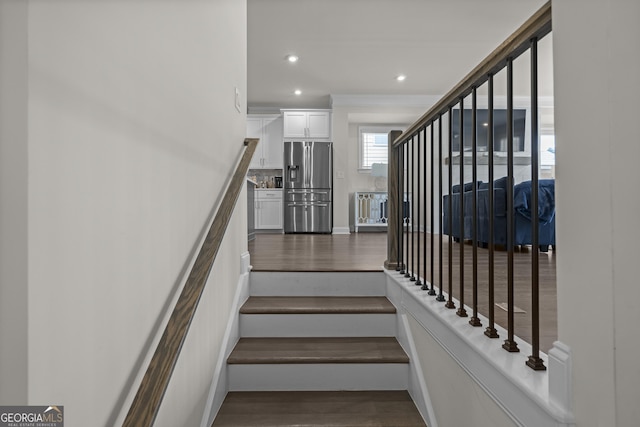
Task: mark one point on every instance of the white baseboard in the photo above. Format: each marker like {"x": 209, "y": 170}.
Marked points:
{"x": 341, "y": 230}
{"x": 219, "y": 384}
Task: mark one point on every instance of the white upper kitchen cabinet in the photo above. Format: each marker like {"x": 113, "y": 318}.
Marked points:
{"x": 312, "y": 124}
{"x": 269, "y": 152}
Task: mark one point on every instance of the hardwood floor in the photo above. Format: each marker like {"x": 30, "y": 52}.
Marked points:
{"x": 280, "y": 350}
{"x": 317, "y": 305}
{"x": 367, "y": 252}
{"x": 315, "y": 408}
{"x": 319, "y": 252}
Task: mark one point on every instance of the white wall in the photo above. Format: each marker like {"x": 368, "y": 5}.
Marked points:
{"x": 457, "y": 399}
{"x": 132, "y": 135}
{"x": 192, "y": 377}
{"x": 597, "y": 62}
{"x": 341, "y": 165}
{"x": 13, "y": 202}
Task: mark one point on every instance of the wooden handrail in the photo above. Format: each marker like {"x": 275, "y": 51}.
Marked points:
{"x": 537, "y": 26}
{"x": 146, "y": 403}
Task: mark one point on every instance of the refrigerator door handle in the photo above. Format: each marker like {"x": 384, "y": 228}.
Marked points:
{"x": 320, "y": 205}
{"x": 302, "y": 191}
{"x": 307, "y": 161}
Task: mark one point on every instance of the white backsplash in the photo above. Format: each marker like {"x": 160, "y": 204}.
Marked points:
{"x": 264, "y": 177}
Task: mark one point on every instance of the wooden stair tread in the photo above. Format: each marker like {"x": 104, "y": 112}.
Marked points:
{"x": 318, "y": 350}
{"x": 317, "y": 305}
{"x": 319, "y": 408}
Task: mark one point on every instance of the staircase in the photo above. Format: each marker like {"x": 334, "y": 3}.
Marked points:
{"x": 318, "y": 349}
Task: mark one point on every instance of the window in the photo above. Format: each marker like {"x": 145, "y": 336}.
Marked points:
{"x": 374, "y": 145}
{"x": 547, "y": 150}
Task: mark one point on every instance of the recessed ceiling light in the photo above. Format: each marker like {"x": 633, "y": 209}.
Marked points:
{"x": 297, "y": 92}
{"x": 292, "y": 58}
{"x": 401, "y": 77}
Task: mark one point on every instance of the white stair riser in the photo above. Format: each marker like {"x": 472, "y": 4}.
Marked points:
{"x": 318, "y": 325}
{"x": 328, "y": 376}
{"x": 317, "y": 284}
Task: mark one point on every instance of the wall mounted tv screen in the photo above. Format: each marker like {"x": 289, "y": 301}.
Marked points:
{"x": 499, "y": 129}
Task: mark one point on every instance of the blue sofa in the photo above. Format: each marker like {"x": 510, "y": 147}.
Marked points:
{"x": 522, "y": 213}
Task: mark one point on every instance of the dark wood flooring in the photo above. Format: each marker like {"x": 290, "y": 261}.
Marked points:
{"x": 367, "y": 252}
{"x": 317, "y": 350}
{"x": 319, "y": 408}
{"x": 318, "y": 252}
{"x": 317, "y": 305}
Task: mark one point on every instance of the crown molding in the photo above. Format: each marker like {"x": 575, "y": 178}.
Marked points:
{"x": 339, "y": 100}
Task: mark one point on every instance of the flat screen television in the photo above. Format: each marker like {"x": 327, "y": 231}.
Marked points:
{"x": 499, "y": 129}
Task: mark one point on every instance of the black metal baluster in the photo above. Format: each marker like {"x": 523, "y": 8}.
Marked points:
{"x": 401, "y": 209}
{"x": 461, "y": 310}
{"x": 440, "y": 296}
{"x": 534, "y": 361}
{"x": 510, "y": 344}
{"x": 491, "y": 331}
{"x": 417, "y": 277}
{"x": 409, "y": 248}
{"x": 399, "y": 214}
{"x": 424, "y": 224}
{"x": 450, "y": 304}
{"x": 431, "y": 219}
{"x": 412, "y": 207}
{"x": 474, "y": 320}
{"x": 405, "y": 210}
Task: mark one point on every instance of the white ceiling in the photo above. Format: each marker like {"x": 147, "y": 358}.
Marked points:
{"x": 355, "y": 47}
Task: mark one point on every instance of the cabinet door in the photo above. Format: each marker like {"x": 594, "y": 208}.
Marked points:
{"x": 269, "y": 214}
{"x": 319, "y": 124}
{"x": 295, "y": 124}
{"x": 254, "y": 130}
{"x": 272, "y": 213}
{"x": 273, "y": 148}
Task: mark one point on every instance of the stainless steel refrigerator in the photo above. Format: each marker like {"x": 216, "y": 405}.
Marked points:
{"x": 308, "y": 191}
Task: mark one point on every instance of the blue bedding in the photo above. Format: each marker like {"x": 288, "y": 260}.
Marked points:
{"x": 546, "y": 200}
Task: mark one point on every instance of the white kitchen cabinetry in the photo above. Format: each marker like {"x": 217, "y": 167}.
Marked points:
{"x": 268, "y": 209}
{"x": 269, "y": 152}
{"x": 313, "y": 124}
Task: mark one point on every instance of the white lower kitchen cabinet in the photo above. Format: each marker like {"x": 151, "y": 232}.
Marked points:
{"x": 268, "y": 209}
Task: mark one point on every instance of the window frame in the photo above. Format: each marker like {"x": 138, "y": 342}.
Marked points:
{"x": 363, "y": 129}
